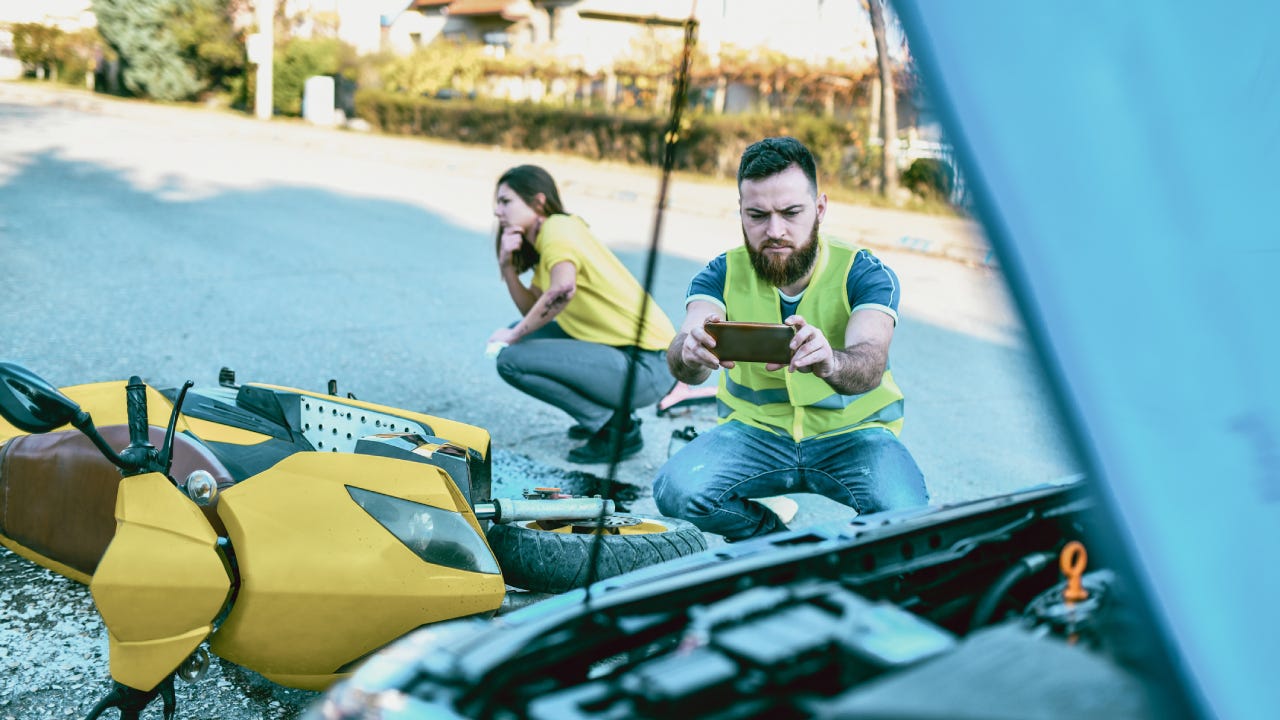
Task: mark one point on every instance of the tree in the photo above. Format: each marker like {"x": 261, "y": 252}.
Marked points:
{"x": 38, "y": 46}
{"x": 888, "y": 103}
{"x": 151, "y": 61}
{"x": 207, "y": 41}
{"x": 171, "y": 49}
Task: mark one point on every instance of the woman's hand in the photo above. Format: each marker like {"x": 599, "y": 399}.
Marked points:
{"x": 505, "y": 336}
{"x": 512, "y": 239}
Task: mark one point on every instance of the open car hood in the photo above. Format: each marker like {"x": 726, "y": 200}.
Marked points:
{"x": 1123, "y": 162}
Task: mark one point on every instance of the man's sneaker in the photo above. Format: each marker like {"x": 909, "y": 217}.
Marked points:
{"x": 599, "y": 449}
{"x": 580, "y": 432}
{"x": 782, "y": 506}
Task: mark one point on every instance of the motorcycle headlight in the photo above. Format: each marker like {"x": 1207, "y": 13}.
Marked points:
{"x": 440, "y": 537}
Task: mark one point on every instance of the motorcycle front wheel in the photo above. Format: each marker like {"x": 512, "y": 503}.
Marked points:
{"x": 556, "y": 558}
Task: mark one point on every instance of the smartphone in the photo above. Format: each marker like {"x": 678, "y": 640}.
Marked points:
{"x": 751, "y": 341}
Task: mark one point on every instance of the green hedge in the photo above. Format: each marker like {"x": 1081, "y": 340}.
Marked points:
{"x": 712, "y": 144}
{"x": 928, "y": 178}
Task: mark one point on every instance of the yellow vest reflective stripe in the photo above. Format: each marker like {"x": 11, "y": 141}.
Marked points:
{"x": 800, "y": 404}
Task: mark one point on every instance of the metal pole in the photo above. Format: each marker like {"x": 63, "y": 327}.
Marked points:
{"x": 262, "y": 100}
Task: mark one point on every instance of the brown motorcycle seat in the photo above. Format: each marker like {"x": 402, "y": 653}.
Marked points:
{"x": 58, "y": 493}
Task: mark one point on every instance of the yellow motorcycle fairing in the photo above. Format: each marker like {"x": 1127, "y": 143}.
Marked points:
{"x": 161, "y": 582}
{"x": 322, "y": 583}
{"x": 105, "y": 402}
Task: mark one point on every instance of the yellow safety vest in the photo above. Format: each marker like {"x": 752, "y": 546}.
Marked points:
{"x": 801, "y": 405}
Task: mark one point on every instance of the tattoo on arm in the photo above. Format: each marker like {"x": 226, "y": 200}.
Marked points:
{"x": 556, "y": 303}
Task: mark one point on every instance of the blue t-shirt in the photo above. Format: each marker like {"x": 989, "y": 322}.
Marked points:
{"x": 871, "y": 286}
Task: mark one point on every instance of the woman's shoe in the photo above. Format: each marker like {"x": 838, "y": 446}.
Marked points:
{"x": 599, "y": 449}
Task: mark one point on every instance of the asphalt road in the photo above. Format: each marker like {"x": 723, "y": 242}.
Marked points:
{"x": 169, "y": 242}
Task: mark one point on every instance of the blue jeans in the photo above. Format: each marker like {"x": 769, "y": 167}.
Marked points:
{"x": 584, "y": 379}
{"x": 710, "y": 481}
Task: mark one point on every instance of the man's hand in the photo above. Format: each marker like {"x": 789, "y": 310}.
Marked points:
{"x": 689, "y": 357}
{"x": 696, "y": 349}
{"x": 810, "y": 350}
{"x": 854, "y": 369}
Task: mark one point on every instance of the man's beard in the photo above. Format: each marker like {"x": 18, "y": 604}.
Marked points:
{"x": 781, "y": 272}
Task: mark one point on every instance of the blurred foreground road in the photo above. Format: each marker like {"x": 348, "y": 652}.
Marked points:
{"x": 169, "y": 242}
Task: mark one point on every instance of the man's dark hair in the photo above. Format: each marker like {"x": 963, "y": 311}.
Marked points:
{"x": 771, "y": 156}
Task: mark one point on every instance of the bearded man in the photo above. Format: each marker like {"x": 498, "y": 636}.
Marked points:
{"x": 828, "y": 421}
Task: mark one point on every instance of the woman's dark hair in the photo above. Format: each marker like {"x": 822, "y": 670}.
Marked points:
{"x": 528, "y": 181}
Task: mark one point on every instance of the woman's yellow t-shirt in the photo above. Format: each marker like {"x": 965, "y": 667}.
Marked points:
{"x": 606, "y": 306}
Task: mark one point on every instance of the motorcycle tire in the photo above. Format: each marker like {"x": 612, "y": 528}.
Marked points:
{"x": 557, "y": 560}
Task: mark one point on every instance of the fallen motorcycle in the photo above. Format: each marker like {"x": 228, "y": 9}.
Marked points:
{"x": 295, "y": 532}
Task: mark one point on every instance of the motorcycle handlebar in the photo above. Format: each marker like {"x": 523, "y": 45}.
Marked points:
{"x": 141, "y": 455}
{"x": 136, "y": 399}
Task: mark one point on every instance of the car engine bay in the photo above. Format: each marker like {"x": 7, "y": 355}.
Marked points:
{"x": 982, "y": 609}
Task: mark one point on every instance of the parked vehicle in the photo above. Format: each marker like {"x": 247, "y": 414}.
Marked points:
{"x": 295, "y": 532}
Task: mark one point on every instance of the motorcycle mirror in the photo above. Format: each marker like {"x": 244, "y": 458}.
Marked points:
{"x": 32, "y": 404}
{"x": 166, "y": 454}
